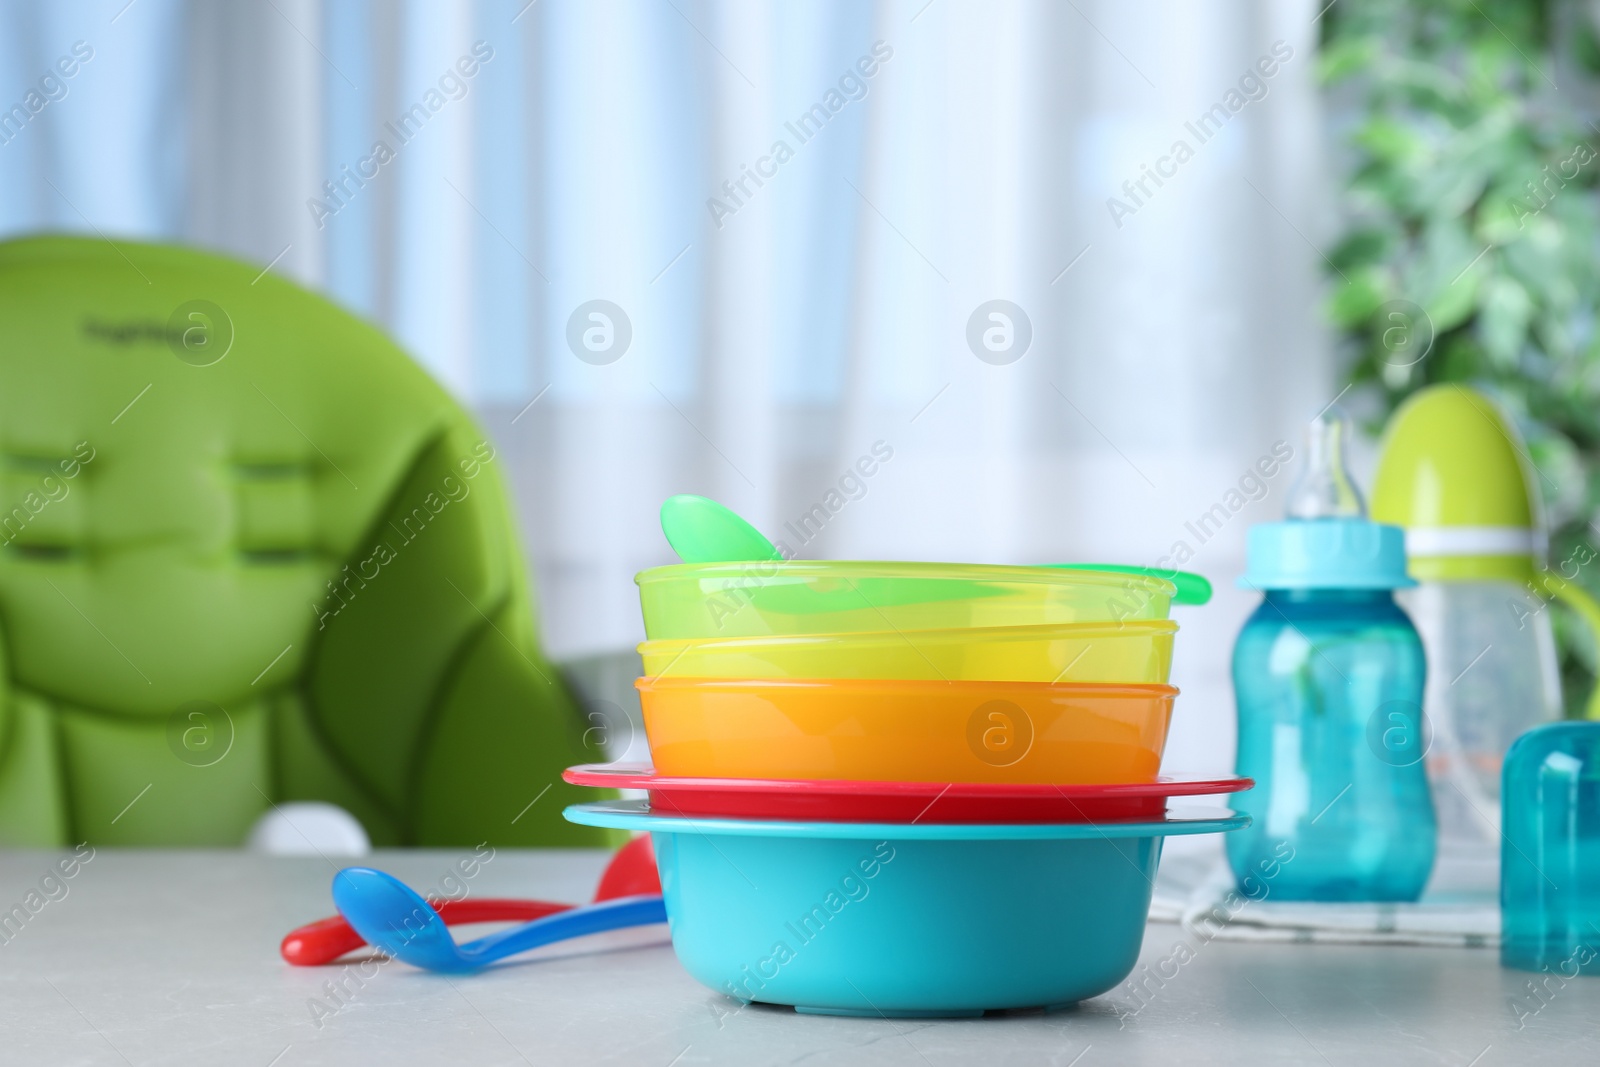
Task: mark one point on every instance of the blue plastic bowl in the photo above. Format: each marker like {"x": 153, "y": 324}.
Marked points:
{"x": 905, "y": 919}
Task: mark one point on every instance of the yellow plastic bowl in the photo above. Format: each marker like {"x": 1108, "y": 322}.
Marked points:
{"x": 1137, "y": 653}
{"x": 787, "y": 598}
{"x": 906, "y": 731}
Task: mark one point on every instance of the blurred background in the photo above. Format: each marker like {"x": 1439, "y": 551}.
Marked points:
{"x": 1074, "y": 268}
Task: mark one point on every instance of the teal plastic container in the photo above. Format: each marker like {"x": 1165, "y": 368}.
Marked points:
{"x": 1550, "y": 855}
{"x": 1328, "y": 674}
{"x": 901, "y": 920}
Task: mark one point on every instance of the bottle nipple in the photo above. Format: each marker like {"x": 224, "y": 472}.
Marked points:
{"x": 1324, "y": 488}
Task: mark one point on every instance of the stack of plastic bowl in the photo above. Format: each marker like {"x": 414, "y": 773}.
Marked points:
{"x": 905, "y": 789}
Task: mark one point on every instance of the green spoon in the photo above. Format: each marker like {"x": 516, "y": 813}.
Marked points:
{"x": 701, "y": 530}
{"x": 1192, "y": 588}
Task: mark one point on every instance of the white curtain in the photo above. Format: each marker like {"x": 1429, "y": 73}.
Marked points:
{"x": 935, "y": 157}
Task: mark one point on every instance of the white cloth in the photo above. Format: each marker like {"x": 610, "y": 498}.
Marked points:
{"x": 1459, "y": 908}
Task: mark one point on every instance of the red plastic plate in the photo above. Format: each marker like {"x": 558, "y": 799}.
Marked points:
{"x": 928, "y": 802}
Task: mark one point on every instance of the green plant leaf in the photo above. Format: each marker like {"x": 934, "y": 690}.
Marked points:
{"x": 1504, "y": 309}
{"x": 1354, "y": 302}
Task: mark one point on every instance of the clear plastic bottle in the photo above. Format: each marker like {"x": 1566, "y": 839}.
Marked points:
{"x": 1328, "y": 675}
{"x": 1494, "y": 676}
{"x": 1453, "y": 472}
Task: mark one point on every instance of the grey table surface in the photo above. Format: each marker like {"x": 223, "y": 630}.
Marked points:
{"x": 171, "y": 958}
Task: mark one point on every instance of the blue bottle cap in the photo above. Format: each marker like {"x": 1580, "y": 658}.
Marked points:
{"x": 1335, "y": 553}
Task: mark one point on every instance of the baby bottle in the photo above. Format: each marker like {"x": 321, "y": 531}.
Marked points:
{"x": 1452, "y": 473}
{"x": 1328, "y": 675}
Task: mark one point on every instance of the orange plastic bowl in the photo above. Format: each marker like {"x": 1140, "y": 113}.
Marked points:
{"x": 906, "y": 731}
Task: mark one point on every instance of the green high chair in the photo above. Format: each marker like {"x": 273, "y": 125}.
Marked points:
{"x": 251, "y": 553}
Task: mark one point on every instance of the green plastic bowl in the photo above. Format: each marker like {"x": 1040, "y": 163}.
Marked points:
{"x": 777, "y": 598}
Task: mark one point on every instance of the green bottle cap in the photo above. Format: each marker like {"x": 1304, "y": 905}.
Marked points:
{"x": 1453, "y": 472}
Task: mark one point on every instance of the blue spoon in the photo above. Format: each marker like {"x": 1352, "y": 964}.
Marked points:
{"x": 393, "y": 918}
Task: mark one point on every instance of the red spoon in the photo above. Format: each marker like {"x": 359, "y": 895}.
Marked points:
{"x": 631, "y": 872}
